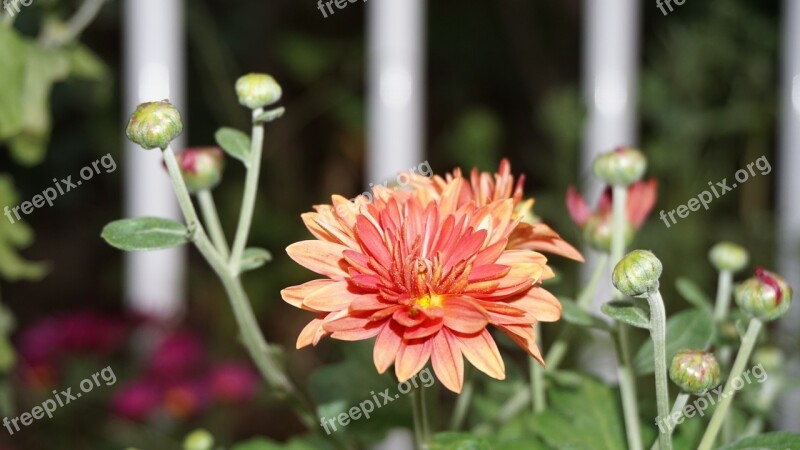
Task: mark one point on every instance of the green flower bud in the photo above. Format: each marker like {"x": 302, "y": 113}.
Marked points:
{"x": 637, "y": 273}
{"x": 620, "y": 167}
{"x": 199, "y": 440}
{"x": 770, "y": 358}
{"x": 154, "y": 125}
{"x": 728, "y": 256}
{"x": 201, "y": 167}
{"x": 257, "y": 90}
{"x": 694, "y": 371}
{"x": 765, "y": 296}
{"x": 597, "y": 232}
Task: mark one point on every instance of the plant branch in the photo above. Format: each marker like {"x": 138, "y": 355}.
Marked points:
{"x": 211, "y": 217}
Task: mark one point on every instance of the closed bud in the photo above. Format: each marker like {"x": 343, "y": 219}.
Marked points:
{"x": 765, "y": 296}
{"x": 694, "y": 371}
{"x": 199, "y": 440}
{"x": 620, "y": 167}
{"x": 728, "y": 256}
{"x": 637, "y": 273}
{"x": 597, "y": 232}
{"x": 201, "y": 167}
{"x": 770, "y": 358}
{"x": 154, "y": 125}
{"x": 257, "y": 90}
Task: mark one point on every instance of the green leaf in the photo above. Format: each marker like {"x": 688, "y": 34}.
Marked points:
{"x": 768, "y": 441}
{"x": 692, "y": 293}
{"x": 84, "y": 64}
{"x": 692, "y": 329}
{"x": 235, "y": 143}
{"x": 634, "y": 312}
{"x": 145, "y": 233}
{"x": 14, "y": 237}
{"x": 253, "y": 258}
{"x": 574, "y": 314}
{"x": 269, "y": 116}
{"x": 12, "y": 72}
{"x": 584, "y": 417}
{"x": 458, "y": 441}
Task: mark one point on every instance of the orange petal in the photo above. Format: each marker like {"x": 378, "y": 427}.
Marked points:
{"x": 311, "y": 333}
{"x": 482, "y": 352}
{"x": 540, "y": 303}
{"x": 296, "y": 294}
{"x": 523, "y": 336}
{"x": 423, "y": 330}
{"x": 333, "y": 297}
{"x": 386, "y": 345}
{"x": 447, "y": 361}
{"x": 411, "y": 358}
{"x": 353, "y": 328}
{"x": 324, "y": 258}
{"x": 464, "y": 316}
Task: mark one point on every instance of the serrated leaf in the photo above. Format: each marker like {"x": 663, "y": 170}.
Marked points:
{"x": 235, "y": 143}
{"x": 145, "y": 234}
{"x": 574, "y": 314}
{"x": 253, "y": 258}
{"x": 631, "y": 312}
{"x": 692, "y": 329}
{"x": 692, "y": 293}
{"x": 269, "y": 116}
{"x": 768, "y": 441}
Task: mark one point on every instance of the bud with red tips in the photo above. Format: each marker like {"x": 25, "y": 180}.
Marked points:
{"x": 766, "y": 296}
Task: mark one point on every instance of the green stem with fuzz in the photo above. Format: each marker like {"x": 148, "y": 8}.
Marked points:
{"x": 537, "y": 378}
{"x": 252, "y": 337}
{"x": 680, "y": 402}
{"x": 463, "y": 401}
{"x": 658, "y": 333}
{"x": 422, "y": 432}
{"x": 722, "y": 304}
{"x": 211, "y": 218}
{"x": 748, "y": 342}
{"x": 250, "y": 190}
{"x": 627, "y": 382}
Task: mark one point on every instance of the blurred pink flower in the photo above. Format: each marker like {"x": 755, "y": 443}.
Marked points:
{"x": 137, "y": 400}
{"x": 232, "y": 382}
{"x": 186, "y": 399}
{"x": 177, "y": 356}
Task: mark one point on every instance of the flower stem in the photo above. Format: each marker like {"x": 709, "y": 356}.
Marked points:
{"x": 211, "y": 218}
{"x": 680, "y": 402}
{"x": 252, "y": 337}
{"x": 421, "y": 427}
{"x": 748, "y": 342}
{"x": 658, "y": 333}
{"x": 463, "y": 401}
{"x": 250, "y": 190}
{"x": 627, "y": 382}
{"x": 537, "y": 379}
{"x": 555, "y": 355}
{"x": 724, "y": 284}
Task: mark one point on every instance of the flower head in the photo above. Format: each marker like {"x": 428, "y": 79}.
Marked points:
{"x": 424, "y": 272}
{"x": 637, "y": 273}
{"x": 694, "y": 371}
{"x": 765, "y": 296}
{"x": 201, "y": 167}
{"x": 154, "y": 125}
{"x": 596, "y": 225}
{"x": 620, "y": 167}
{"x": 257, "y": 90}
{"x": 728, "y": 256}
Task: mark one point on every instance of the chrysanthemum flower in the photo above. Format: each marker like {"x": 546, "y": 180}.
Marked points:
{"x": 424, "y": 276}
{"x": 596, "y": 225}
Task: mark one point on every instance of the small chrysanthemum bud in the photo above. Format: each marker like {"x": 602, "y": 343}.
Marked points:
{"x": 199, "y": 440}
{"x": 257, "y": 90}
{"x": 201, "y": 167}
{"x": 154, "y": 125}
{"x": 769, "y": 358}
{"x": 597, "y": 232}
{"x": 620, "y": 167}
{"x": 728, "y": 256}
{"x": 765, "y": 296}
{"x": 694, "y": 371}
{"x": 637, "y": 273}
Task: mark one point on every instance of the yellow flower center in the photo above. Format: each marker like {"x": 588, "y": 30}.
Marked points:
{"x": 429, "y": 300}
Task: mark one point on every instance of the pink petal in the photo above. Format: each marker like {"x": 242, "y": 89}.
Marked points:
{"x": 324, "y": 258}
{"x": 411, "y": 358}
{"x": 447, "y": 361}
{"x": 482, "y": 352}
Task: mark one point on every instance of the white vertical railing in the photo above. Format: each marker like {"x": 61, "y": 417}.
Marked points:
{"x": 396, "y": 35}
{"x": 788, "y": 188}
{"x": 154, "y": 70}
{"x": 610, "y": 87}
